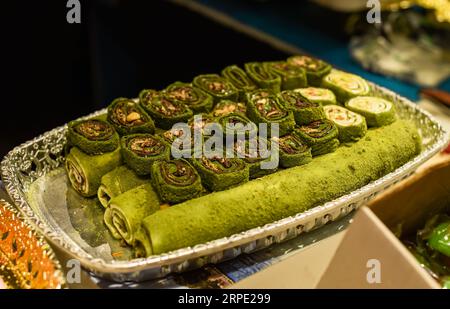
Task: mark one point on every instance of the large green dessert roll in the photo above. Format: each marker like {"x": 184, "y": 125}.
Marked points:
{"x": 218, "y": 87}
{"x": 345, "y": 85}
{"x": 283, "y": 194}
{"x": 239, "y": 79}
{"x": 321, "y": 136}
{"x": 219, "y": 173}
{"x": 128, "y": 117}
{"x": 139, "y": 151}
{"x": 85, "y": 171}
{"x": 320, "y": 96}
{"x": 315, "y": 69}
{"x": 235, "y": 124}
{"x": 292, "y": 77}
{"x": 176, "y": 180}
{"x": 304, "y": 111}
{"x": 196, "y": 99}
{"x": 162, "y": 109}
{"x": 259, "y": 156}
{"x": 116, "y": 182}
{"x": 377, "y": 111}
{"x": 293, "y": 151}
{"x": 93, "y": 136}
{"x": 124, "y": 215}
{"x": 226, "y": 107}
{"x": 263, "y": 106}
{"x": 351, "y": 126}
{"x": 262, "y": 77}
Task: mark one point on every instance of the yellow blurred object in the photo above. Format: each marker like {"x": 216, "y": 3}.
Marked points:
{"x": 441, "y": 7}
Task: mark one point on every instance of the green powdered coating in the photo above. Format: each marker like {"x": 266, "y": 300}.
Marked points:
{"x": 176, "y": 180}
{"x": 235, "y": 124}
{"x": 164, "y": 111}
{"x": 351, "y": 126}
{"x": 377, "y": 111}
{"x": 239, "y": 79}
{"x": 282, "y": 194}
{"x": 315, "y": 69}
{"x": 262, "y": 77}
{"x": 128, "y": 117}
{"x": 93, "y": 136}
{"x": 118, "y": 181}
{"x": 226, "y": 107}
{"x": 293, "y": 152}
{"x": 320, "y": 96}
{"x": 124, "y": 215}
{"x": 216, "y": 86}
{"x": 320, "y": 135}
{"x": 85, "y": 171}
{"x": 196, "y": 99}
{"x": 292, "y": 77}
{"x": 139, "y": 151}
{"x": 258, "y": 155}
{"x": 345, "y": 85}
{"x": 304, "y": 111}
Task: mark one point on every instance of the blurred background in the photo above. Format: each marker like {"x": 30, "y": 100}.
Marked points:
{"x": 55, "y": 72}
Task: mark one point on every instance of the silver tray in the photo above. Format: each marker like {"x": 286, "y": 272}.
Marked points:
{"x": 35, "y": 181}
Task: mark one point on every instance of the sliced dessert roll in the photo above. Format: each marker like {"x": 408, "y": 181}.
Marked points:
{"x": 93, "y": 136}
{"x": 196, "y": 99}
{"x": 140, "y": 151}
{"x": 198, "y": 123}
{"x": 315, "y": 69}
{"x": 176, "y": 180}
{"x": 261, "y": 155}
{"x": 262, "y": 77}
{"x": 128, "y": 117}
{"x": 304, "y": 111}
{"x": 345, "y": 85}
{"x": 235, "y": 124}
{"x": 377, "y": 111}
{"x": 226, "y": 107}
{"x": 351, "y": 126}
{"x": 292, "y": 77}
{"x": 293, "y": 151}
{"x": 321, "y": 136}
{"x": 218, "y": 87}
{"x": 320, "y": 96}
{"x": 182, "y": 142}
{"x": 239, "y": 79}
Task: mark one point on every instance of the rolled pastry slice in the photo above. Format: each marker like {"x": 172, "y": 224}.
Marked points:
{"x": 162, "y": 109}
{"x": 139, "y": 151}
{"x": 199, "y": 121}
{"x": 176, "y": 180}
{"x": 315, "y": 69}
{"x": 85, "y": 171}
{"x": 226, "y": 107}
{"x": 377, "y": 111}
{"x": 235, "y": 124}
{"x": 304, "y": 111}
{"x": 239, "y": 79}
{"x": 345, "y": 85}
{"x": 321, "y": 136}
{"x": 220, "y": 173}
{"x": 196, "y": 99}
{"x": 93, "y": 136}
{"x": 258, "y": 155}
{"x": 292, "y": 77}
{"x": 124, "y": 215}
{"x": 128, "y": 117}
{"x": 351, "y": 126}
{"x": 175, "y": 137}
{"x": 293, "y": 151}
{"x": 262, "y": 77}
{"x": 218, "y": 87}
{"x": 263, "y": 106}
{"x": 118, "y": 181}
{"x": 320, "y": 96}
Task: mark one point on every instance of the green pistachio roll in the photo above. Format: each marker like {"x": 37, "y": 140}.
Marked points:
{"x": 226, "y": 107}
{"x": 235, "y": 124}
{"x": 176, "y": 180}
{"x": 85, "y": 171}
{"x": 182, "y": 142}
{"x": 216, "y": 86}
{"x": 139, "y": 151}
{"x": 163, "y": 109}
{"x": 239, "y": 79}
{"x": 262, "y": 77}
{"x": 199, "y": 121}
{"x": 315, "y": 69}
{"x": 263, "y": 106}
{"x": 377, "y": 111}
{"x": 293, "y": 151}
{"x": 196, "y": 99}
{"x": 128, "y": 117}
{"x": 304, "y": 111}
{"x": 345, "y": 85}
{"x": 118, "y": 181}
{"x": 321, "y": 136}
{"x": 93, "y": 136}
{"x": 320, "y": 96}
{"x": 261, "y": 155}
{"x": 351, "y": 126}
{"x": 292, "y": 77}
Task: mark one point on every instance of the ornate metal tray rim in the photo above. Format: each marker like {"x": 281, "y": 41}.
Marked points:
{"x": 215, "y": 251}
